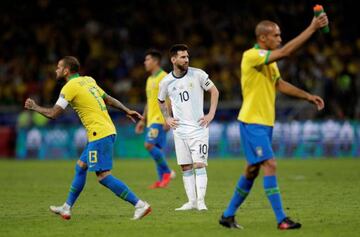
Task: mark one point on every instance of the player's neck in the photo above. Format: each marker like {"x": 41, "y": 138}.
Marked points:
{"x": 156, "y": 71}
{"x": 260, "y": 45}
{"x": 178, "y": 73}
{"x": 72, "y": 76}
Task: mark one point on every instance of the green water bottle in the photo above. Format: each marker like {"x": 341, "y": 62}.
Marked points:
{"x": 318, "y": 9}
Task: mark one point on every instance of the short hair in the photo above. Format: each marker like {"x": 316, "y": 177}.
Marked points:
{"x": 72, "y": 63}
{"x": 153, "y": 53}
{"x": 264, "y": 27}
{"x": 177, "y": 47}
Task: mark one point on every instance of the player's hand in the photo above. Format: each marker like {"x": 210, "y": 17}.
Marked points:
{"x": 320, "y": 21}
{"x": 317, "y": 100}
{"x": 172, "y": 122}
{"x": 166, "y": 127}
{"x": 206, "y": 120}
{"x": 29, "y": 104}
{"x": 132, "y": 114}
{"x": 139, "y": 128}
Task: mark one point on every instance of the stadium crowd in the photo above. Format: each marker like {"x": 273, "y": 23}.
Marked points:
{"x": 110, "y": 43}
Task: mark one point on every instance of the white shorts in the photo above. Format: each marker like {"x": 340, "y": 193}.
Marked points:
{"x": 191, "y": 150}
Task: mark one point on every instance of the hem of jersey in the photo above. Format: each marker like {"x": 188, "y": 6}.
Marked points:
{"x": 149, "y": 124}
{"x": 263, "y": 124}
{"x": 103, "y": 136}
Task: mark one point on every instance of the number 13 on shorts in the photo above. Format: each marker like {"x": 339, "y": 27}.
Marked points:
{"x": 93, "y": 157}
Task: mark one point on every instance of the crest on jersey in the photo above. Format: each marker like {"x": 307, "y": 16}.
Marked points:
{"x": 259, "y": 151}
{"x": 262, "y": 52}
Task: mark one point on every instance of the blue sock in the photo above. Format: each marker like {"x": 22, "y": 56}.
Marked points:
{"x": 273, "y": 193}
{"x": 120, "y": 189}
{"x": 242, "y": 189}
{"x": 159, "y": 158}
{"x": 77, "y": 185}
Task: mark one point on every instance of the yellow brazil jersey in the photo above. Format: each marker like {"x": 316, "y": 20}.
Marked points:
{"x": 258, "y": 80}
{"x": 154, "y": 114}
{"x": 86, "y": 98}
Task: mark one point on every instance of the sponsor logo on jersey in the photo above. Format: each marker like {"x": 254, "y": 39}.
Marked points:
{"x": 262, "y": 52}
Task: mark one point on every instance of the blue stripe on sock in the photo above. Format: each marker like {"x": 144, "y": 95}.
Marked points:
{"x": 201, "y": 171}
{"x": 187, "y": 173}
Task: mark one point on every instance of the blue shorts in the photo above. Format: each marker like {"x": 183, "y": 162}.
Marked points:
{"x": 98, "y": 154}
{"x": 256, "y": 141}
{"x": 156, "y": 135}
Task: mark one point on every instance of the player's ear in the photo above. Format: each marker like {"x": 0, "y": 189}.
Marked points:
{"x": 262, "y": 38}
{"x": 173, "y": 59}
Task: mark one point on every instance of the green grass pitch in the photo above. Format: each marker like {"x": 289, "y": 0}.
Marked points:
{"x": 324, "y": 195}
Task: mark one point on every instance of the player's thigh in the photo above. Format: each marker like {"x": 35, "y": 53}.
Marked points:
{"x": 183, "y": 155}
{"x": 100, "y": 154}
{"x": 256, "y": 142}
{"x": 199, "y": 148}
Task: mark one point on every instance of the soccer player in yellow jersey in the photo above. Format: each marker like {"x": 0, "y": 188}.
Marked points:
{"x": 90, "y": 101}
{"x": 260, "y": 79}
{"x": 155, "y": 124}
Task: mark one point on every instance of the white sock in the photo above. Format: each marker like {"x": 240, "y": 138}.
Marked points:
{"x": 189, "y": 184}
{"x": 201, "y": 183}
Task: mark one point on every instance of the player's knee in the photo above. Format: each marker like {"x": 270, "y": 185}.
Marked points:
{"x": 186, "y": 167}
{"x": 252, "y": 172}
{"x": 82, "y": 164}
{"x": 270, "y": 167}
{"x": 199, "y": 165}
{"x": 148, "y": 146}
{"x": 103, "y": 174}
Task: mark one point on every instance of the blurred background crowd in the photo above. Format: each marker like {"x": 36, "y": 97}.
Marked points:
{"x": 110, "y": 43}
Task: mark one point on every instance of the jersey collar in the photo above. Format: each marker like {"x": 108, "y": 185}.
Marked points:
{"x": 157, "y": 73}
{"x": 74, "y": 76}
{"x": 256, "y": 46}
{"x": 172, "y": 72}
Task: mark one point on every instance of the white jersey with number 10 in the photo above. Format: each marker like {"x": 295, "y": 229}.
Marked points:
{"x": 186, "y": 94}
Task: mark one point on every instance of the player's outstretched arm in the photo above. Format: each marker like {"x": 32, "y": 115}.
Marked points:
{"x": 288, "y": 89}
{"x": 294, "y": 44}
{"x": 131, "y": 114}
{"x": 214, "y": 98}
{"x": 50, "y": 113}
{"x": 172, "y": 122}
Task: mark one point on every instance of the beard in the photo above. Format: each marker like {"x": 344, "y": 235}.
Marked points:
{"x": 183, "y": 68}
{"x": 60, "y": 78}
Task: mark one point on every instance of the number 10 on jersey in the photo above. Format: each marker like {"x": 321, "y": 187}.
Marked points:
{"x": 184, "y": 96}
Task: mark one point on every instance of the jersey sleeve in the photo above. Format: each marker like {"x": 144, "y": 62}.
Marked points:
{"x": 102, "y": 93}
{"x": 276, "y": 72}
{"x": 68, "y": 92}
{"x": 162, "y": 91}
{"x": 256, "y": 57}
{"x": 205, "y": 81}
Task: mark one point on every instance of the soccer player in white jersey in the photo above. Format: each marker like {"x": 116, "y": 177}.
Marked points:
{"x": 185, "y": 88}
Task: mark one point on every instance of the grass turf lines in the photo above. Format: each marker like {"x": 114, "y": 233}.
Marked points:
{"x": 324, "y": 195}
